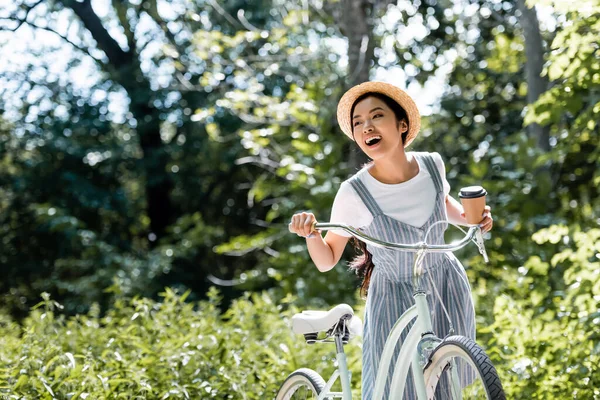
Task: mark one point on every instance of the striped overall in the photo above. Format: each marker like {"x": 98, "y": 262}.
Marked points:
{"x": 391, "y": 289}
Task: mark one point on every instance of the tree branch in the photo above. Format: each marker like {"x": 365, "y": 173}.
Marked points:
{"x": 262, "y": 162}
{"x": 241, "y": 16}
{"x": 24, "y": 19}
{"x": 225, "y": 14}
{"x": 63, "y": 37}
{"x": 152, "y": 11}
{"x": 116, "y": 55}
{"x": 223, "y": 282}
{"x": 121, "y": 11}
{"x": 360, "y": 64}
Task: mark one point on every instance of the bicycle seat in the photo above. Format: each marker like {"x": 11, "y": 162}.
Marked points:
{"x": 320, "y": 321}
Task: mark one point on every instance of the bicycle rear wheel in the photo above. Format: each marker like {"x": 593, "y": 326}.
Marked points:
{"x": 461, "y": 361}
{"x": 303, "y": 383}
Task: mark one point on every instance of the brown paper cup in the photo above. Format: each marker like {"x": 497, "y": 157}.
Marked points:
{"x": 472, "y": 199}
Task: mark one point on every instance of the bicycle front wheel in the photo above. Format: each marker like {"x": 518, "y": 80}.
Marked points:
{"x": 460, "y": 369}
{"x": 303, "y": 383}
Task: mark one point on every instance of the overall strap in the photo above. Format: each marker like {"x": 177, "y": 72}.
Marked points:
{"x": 364, "y": 194}
{"x": 427, "y": 159}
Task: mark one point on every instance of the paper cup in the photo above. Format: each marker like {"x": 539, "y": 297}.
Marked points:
{"x": 472, "y": 199}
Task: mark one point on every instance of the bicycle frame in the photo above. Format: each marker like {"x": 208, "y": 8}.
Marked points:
{"x": 408, "y": 351}
{"x": 422, "y": 326}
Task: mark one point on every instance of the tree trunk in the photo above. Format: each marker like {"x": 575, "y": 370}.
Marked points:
{"x": 124, "y": 68}
{"x": 355, "y": 23}
{"x": 536, "y": 84}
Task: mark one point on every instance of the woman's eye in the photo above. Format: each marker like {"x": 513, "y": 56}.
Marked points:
{"x": 356, "y": 123}
{"x": 377, "y": 115}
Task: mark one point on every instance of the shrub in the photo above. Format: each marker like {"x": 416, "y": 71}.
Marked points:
{"x": 168, "y": 349}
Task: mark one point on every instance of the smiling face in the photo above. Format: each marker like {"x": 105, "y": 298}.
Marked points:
{"x": 376, "y": 129}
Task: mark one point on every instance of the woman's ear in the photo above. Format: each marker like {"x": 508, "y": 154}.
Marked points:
{"x": 403, "y": 126}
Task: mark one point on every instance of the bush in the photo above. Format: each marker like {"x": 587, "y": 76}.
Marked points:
{"x": 546, "y": 339}
{"x": 169, "y": 349}
{"x": 543, "y": 341}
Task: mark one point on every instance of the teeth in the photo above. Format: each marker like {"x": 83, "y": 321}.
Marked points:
{"x": 369, "y": 140}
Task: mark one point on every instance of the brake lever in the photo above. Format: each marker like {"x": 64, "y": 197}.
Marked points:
{"x": 481, "y": 245}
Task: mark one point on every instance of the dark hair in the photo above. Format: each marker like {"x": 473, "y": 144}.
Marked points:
{"x": 399, "y": 112}
{"x": 362, "y": 264}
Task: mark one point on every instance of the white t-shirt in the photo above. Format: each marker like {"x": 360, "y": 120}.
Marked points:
{"x": 411, "y": 202}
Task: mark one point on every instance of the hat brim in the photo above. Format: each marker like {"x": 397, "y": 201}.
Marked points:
{"x": 398, "y": 95}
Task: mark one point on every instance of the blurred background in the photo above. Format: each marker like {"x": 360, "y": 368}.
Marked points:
{"x": 157, "y": 144}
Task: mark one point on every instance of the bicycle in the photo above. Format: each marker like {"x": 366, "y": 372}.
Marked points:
{"x": 432, "y": 360}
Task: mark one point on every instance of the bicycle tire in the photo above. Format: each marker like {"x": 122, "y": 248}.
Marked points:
{"x": 462, "y": 348}
{"x": 301, "y": 378}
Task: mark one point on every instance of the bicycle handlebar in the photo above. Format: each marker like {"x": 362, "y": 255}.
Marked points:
{"x": 474, "y": 231}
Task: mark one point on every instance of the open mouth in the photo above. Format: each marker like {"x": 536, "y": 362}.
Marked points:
{"x": 373, "y": 140}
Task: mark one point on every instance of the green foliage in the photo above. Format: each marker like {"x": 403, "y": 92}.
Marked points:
{"x": 571, "y": 107}
{"x": 291, "y": 151}
{"x": 175, "y": 349}
{"x": 245, "y": 113}
{"x": 546, "y": 335}
{"x": 507, "y": 54}
{"x": 230, "y": 154}
{"x": 168, "y": 349}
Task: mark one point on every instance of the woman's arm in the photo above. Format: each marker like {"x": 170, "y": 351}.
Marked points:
{"x": 325, "y": 252}
{"x": 455, "y": 211}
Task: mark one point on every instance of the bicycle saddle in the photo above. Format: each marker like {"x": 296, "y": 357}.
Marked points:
{"x": 321, "y": 321}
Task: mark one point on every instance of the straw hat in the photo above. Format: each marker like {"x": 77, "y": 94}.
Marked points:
{"x": 393, "y": 92}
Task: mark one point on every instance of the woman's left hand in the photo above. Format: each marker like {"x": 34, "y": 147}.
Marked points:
{"x": 487, "y": 222}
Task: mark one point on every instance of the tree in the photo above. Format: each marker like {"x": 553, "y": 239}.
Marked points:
{"x": 536, "y": 83}
{"x": 146, "y": 194}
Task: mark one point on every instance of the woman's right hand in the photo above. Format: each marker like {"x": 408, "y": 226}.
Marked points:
{"x": 302, "y": 223}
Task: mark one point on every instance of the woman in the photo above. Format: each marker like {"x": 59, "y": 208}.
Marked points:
{"x": 396, "y": 197}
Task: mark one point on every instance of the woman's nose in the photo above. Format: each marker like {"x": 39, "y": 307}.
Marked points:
{"x": 367, "y": 126}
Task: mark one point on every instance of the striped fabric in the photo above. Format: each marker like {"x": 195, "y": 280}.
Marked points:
{"x": 391, "y": 288}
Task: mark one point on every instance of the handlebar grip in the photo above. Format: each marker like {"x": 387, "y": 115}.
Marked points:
{"x": 313, "y": 227}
